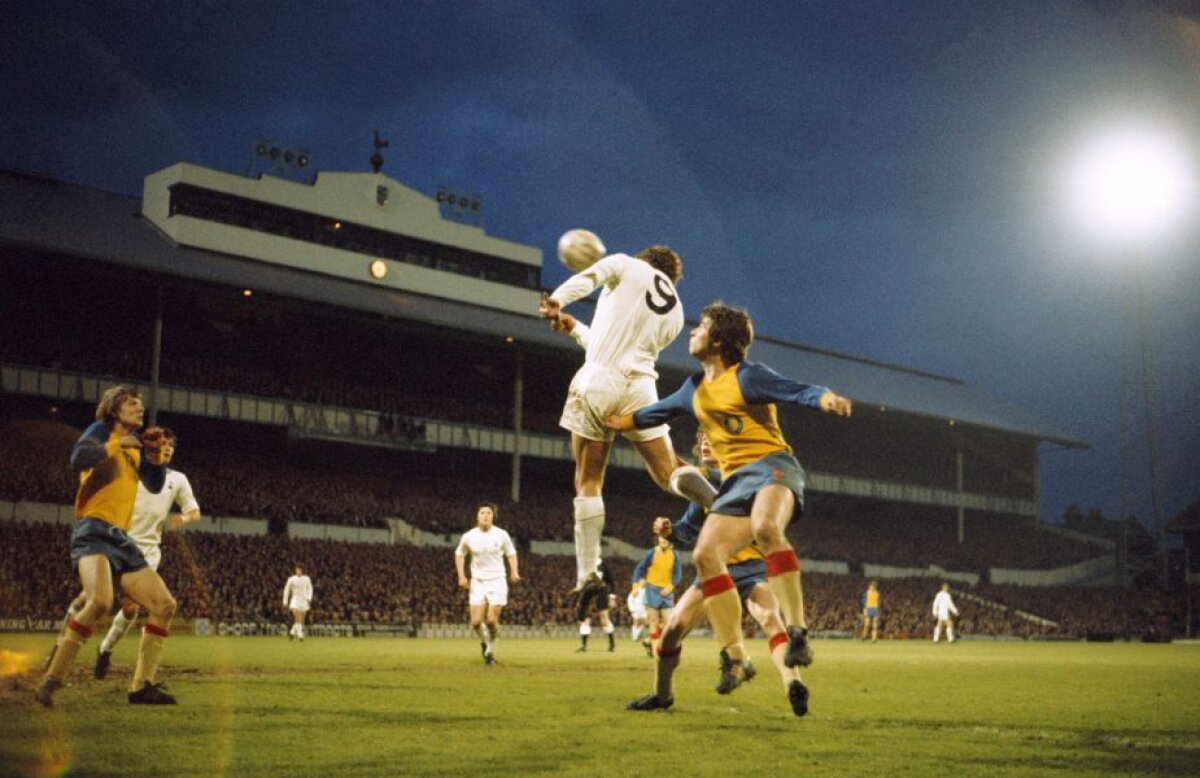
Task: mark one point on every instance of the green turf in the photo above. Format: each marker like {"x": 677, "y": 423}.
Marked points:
{"x": 340, "y": 706}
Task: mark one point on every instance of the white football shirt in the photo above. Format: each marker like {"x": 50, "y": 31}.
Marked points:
{"x": 943, "y": 606}
{"x": 487, "y": 551}
{"x": 150, "y": 510}
{"x": 638, "y": 315}
{"x": 298, "y": 587}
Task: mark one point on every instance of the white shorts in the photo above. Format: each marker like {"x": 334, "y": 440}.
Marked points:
{"x": 298, "y": 604}
{"x": 943, "y": 616}
{"x": 597, "y": 393}
{"x": 153, "y": 555}
{"x": 494, "y": 592}
{"x": 637, "y": 606}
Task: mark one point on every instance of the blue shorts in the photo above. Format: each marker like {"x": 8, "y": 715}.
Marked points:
{"x": 96, "y": 536}
{"x": 746, "y": 575}
{"x": 872, "y": 613}
{"x": 655, "y": 598}
{"x": 736, "y": 497}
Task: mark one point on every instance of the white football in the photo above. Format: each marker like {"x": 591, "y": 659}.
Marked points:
{"x": 579, "y": 249}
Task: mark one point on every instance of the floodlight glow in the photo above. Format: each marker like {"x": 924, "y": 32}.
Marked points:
{"x": 1131, "y": 184}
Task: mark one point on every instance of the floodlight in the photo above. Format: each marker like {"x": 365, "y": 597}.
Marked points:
{"x": 1131, "y": 184}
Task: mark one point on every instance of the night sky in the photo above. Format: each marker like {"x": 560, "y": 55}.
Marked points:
{"x": 882, "y": 179}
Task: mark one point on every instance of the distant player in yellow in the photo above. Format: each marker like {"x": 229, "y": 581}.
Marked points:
{"x": 110, "y": 458}
{"x": 870, "y": 611}
{"x": 734, "y": 401}
{"x": 659, "y": 572}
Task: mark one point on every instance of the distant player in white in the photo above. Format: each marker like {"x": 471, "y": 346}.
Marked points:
{"x": 636, "y": 602}
{"x": 943, "y": 607}
{"x": 151, "y": 512}
{"x": 297, "y": 597}
{"x": 488, "y": 546}
{"x": 637, "y": 316}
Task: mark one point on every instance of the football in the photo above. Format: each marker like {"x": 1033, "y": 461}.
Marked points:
{"x": 579, "y": 249}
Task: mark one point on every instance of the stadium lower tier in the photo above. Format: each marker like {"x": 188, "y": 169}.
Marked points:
{"x": 228, "y": 578}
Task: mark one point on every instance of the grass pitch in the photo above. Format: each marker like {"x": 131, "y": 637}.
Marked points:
{"x": 342, "y": 706}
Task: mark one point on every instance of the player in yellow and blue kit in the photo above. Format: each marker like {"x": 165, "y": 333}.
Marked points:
{"x": 110, "y": 458}
{"x": 734, "y": 401}
{"x": 749, "y": 574}
{"x": 660, "y": 572}
{"x": 871, "y": 602}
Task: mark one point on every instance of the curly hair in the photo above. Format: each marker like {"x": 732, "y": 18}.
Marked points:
{"x": 114, "y": 397}
{"x": 730, "y": 330}
{"x": 664, "y": 259}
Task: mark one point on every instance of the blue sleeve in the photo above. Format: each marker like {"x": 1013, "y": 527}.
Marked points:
{"x": 676, "y": 571}
{"x": 686, "y": 528}
{"x": 678, "y": 404}
{"x": 761, "y": 385}
{"x": 89, "y": 450}
{"x": 639, "y": 572}
{"x": 153, "y": 476}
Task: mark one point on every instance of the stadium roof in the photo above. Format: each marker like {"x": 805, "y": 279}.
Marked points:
{"x": 38, "y": 212}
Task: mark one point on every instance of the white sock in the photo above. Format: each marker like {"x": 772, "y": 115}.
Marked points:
{"x": 491, "y": 640}
{"x": 117, "y": 631}
{"x": 635, "y": 633}
{"x": 481, "y": 631}
{"x": 589, "y": 529}
{"x": 937, "y": 633}
{"x": 950, "y": 634}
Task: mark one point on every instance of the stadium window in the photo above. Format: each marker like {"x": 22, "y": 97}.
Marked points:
{"x": 199, "y": 203}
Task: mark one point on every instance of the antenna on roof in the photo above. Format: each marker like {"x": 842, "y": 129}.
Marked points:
{"x": 377, "y": 158}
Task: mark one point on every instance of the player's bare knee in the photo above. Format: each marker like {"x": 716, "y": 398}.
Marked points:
{"x": 163, "y": 606}
{"x": 707, "y": 560}
{"x": 98, "y": 604}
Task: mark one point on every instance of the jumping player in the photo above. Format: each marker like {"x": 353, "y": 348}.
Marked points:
{"x": 734, "y": 401}
{"x": 488, "y": 547}
{"x": 637, "y": 316}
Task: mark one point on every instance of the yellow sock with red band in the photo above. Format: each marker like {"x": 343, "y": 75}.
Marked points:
{"x": 783, "y": 576}
{"x": 149, "y": 652}
{"x": 724, "y": 609}
{"x": 73, "y": 639}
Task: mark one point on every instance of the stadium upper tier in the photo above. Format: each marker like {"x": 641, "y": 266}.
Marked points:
{"x": 42, "y": 215}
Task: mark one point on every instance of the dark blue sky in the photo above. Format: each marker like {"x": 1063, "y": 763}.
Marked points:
{"x": 882, "y": 179}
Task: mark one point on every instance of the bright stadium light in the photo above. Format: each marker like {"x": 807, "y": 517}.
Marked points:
{"x": 1130, "y": 185}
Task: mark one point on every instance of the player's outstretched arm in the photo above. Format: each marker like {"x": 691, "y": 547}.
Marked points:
{"x": 661, "y": 412}
{"x": 835, "y": 403}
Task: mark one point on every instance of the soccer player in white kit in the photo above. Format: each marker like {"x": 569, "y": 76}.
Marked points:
{"x": 637, "y": 316}
{"x": 151, "y": 513}
{"x": 297, "y": 597}
{"x": 943, "y": 606}
{"x": 488, "y": 546}
{"x": 636, "y": 602}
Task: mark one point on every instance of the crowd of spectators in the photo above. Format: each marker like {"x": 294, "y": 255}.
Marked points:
{"x": 257, "y": 472}
{"x": 231, "y": 578}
